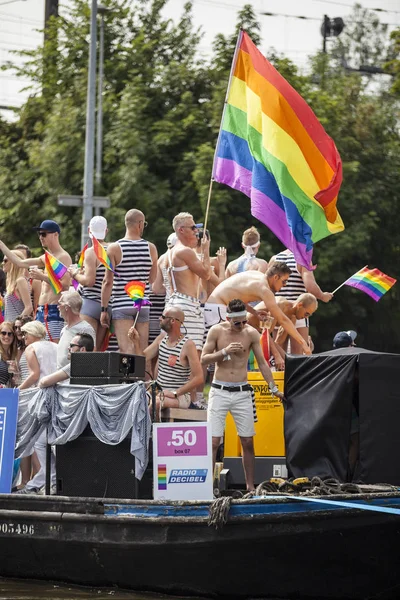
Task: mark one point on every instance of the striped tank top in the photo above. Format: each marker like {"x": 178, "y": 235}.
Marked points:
{"x": 172, "y": 374}
{"x": 135, "y": 265}
{"x": 295, "y": 285}
{"x": 94, "y": 292}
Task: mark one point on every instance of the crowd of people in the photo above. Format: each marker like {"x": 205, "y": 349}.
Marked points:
{"x": 204, "y": 317}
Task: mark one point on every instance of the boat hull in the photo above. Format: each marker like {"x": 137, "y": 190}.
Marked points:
{"x": 281, "y": 550}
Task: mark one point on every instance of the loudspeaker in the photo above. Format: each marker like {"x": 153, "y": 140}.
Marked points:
{"x": 107, "y": 364}
{"x": 88, "y": 468}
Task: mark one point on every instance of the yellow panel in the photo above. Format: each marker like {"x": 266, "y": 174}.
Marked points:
{"x": 269, "y": 439}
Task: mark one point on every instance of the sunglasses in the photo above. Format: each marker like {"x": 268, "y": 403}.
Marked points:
{"x": 237, "y": 323}
{"x": 43, "y": 233}
{"x": 9, "y": 333}
{"x": 192, "y": 227}
{"x": 74, "y": 346}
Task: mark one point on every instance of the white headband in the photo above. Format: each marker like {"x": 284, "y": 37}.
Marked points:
{"x": 241, "y": 313}
{"x": 249, "y": 250}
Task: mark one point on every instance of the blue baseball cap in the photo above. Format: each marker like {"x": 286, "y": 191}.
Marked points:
{"x": 344, "y": 339}
{"x": 48, "y": 226}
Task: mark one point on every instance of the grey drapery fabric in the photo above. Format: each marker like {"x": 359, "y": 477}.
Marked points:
{"x": 111, "y": 411}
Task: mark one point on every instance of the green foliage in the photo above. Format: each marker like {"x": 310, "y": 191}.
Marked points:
{"x": 162, "y": 111}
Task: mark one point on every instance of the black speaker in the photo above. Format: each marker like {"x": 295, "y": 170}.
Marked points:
{"x": 88, "y": 468}
{"x": 107, "y": 364}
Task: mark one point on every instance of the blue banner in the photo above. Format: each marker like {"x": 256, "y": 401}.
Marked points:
{"x": 8, "y": 432}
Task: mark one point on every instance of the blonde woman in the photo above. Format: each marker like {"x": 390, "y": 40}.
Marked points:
{"x": 17, "y": 300}
{"x": 40, "y": 356}
{"x": 8, "y": 352}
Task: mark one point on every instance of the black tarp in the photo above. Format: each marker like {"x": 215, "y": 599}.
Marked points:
{"x": 321, "y": 391}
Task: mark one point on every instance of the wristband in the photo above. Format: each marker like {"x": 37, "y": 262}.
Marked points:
{"x": 176, "y": 395}
{"x": 224, "y": 352}
{"x": 104, "y": 309}
{"x": 273, "y": 388}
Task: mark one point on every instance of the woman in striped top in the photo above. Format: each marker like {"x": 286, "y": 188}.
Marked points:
{"x": 300, "y": 281}
{"x": 17, "y": 300}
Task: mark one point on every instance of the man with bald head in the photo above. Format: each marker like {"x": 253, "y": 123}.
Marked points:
{"x": 302, "y": 308}
{"x": 133, "y": 259}
{"x": 179, "y": 369}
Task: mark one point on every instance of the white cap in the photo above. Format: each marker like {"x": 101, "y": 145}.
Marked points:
{"x": 171, "y": 240}
{"x": 98, "y": 227}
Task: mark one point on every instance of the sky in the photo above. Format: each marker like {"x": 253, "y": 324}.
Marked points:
{"x": 296, "y": 38}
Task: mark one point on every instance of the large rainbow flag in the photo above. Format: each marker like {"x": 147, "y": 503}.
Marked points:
{"x": 371, "y": 281}
{"x": 272, "y": 148}
{"x": 55, "y": 271}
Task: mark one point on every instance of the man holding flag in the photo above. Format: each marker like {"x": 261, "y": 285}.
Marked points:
{"x": 55, "y": 278}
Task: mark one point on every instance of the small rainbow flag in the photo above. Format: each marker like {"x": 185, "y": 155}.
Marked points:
{"x": 55, "y": 271}
{"x": 371, "y": 281}
{"x": 1, "y": 309}
{"x": 272, "y": 148}
{"x": 162, "y": 477}
{"x": 82, "y": 256}
{"x": 135, "y": 291}
{"x": 101, "y": 254}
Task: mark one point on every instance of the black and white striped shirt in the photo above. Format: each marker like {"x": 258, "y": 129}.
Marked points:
{"x": 172, "y": 374}
{"x": 94, "y": 292}
{"x": 295, "y": 285}
{"x": 135, "y": 265}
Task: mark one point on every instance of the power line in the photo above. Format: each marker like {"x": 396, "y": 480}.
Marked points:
{"x": 270, "y": 14}
{"x": 396, "y": 12}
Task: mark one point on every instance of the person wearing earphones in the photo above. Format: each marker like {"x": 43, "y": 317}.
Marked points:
{"x": 179, "y": 369}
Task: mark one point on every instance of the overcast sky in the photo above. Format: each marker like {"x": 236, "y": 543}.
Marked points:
{"x": 296, "y": 38}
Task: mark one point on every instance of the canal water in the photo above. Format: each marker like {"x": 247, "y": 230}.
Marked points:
{"x": 20, "y": 589}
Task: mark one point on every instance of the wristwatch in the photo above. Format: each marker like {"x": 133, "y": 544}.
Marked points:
{"x": 104, "y": 309}
{"x": 273, "y": 388}
{"x": 176, "y": 395}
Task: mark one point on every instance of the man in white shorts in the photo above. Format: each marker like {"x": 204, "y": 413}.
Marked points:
{"x": 228, "y": 345}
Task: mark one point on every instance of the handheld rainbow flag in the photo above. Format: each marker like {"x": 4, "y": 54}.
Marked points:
{"x": 82, "y": 256}
{"x": 55, "y": 271}
{"x": 101, "y": 254}
{"x": 79, "y": 264}
{"x": 135, "y": 290}
{"x": 272, "y": 148}
{"x": 1, "y": 309}
{"x": 371, "y": 281}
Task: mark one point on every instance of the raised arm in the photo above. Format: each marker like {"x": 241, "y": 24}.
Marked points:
{"x": 19, "y": 262}
{"x": 200, "y": 268}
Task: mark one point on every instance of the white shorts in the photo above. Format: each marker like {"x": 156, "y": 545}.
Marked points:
{"x": 214, "y": 314}
{"x": 302, "y": 323}
{"x": 239, "y": 404}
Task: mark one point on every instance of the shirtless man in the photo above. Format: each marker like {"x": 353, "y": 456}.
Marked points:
{"x": 228, "y": 345}
{"x": 186, "y": 270}
{"x": 300, "y": 281}
{"x": 250, "y": 287}
{"x": 47, "y": 311}
{"x": 249, "y": 260}
{"x": 133, "y": 259}
{"x": 305, "y": 306}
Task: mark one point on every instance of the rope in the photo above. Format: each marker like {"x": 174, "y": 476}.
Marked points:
{"x": 219, "y": 510}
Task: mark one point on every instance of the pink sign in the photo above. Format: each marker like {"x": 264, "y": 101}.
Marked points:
{"x": 182, "y": 440}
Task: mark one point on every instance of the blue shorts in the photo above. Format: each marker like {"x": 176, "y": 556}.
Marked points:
{"x": 91, "y": 308}
{"x": 49, "y": 315}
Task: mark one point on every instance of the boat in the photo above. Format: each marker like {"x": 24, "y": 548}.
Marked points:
{"x": 262, "y": 547}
